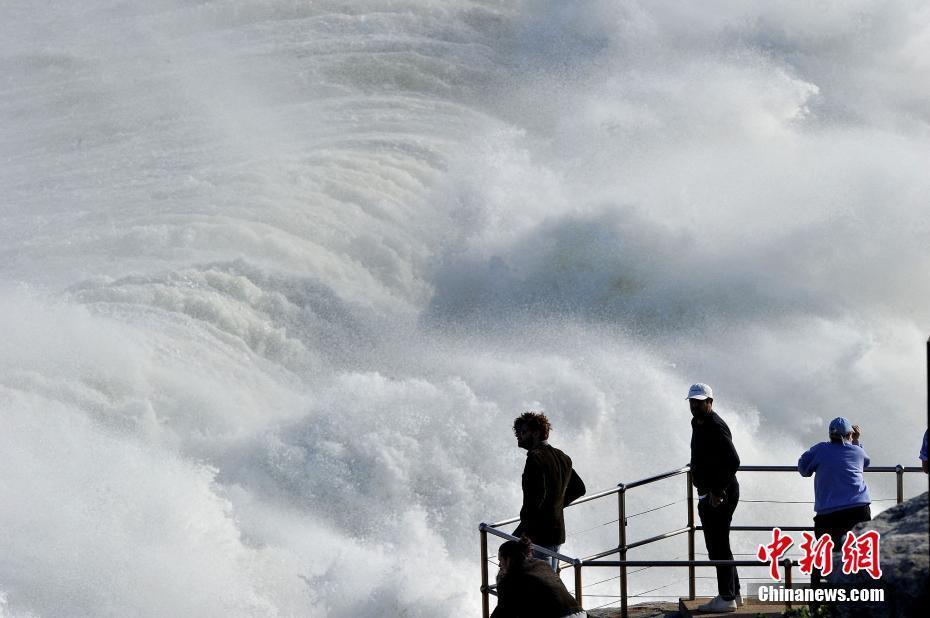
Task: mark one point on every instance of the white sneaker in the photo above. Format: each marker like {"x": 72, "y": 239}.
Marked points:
{"x": 739, "y": 600}
{"x": 718, "y": 605}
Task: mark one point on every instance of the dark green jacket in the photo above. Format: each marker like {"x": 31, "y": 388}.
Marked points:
{"x": 533, "y": 591}
{"x": 549, "y": 483}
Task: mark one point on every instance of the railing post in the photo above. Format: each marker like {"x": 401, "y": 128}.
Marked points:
{"x": 485, "y": 596}
{"x": 787, "y": 563}
{"x": 691, "y": 576}
{"x": 578, "y": 593}
{"x": 899, "y": 471}
{"x": 621, "y": 507}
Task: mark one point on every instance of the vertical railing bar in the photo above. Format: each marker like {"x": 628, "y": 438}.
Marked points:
{"x": 899, "y": 472}
{"x": 578, "y": 586}
{"x": 485, "y": 596}
{"x": 787, "y": 563}
{"x": 621, "y": 507}
{"x": 692, "y": 589}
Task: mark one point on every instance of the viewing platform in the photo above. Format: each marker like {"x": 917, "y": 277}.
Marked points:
{"x": 622, "y": 605}
{"x": 687, "y": 608}
{"x": 751, "y": 607}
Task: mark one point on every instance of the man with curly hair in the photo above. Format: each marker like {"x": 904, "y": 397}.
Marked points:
{"x": 549, "y": 483}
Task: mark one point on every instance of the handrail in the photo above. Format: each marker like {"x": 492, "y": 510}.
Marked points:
{"x": 658, "y": 537}
{"x": 538, "y": 548}
{"x": 498, "y": 524}
{"x": 765, "y": 528}
{"x": 623, "y": 546}
{"x": 795, "y": 468}
{"x": 893, "y": 469}
{"x": 680, "y": 563}
{"x": 600, "y": 494}
{"x": 658, "y": 477}
{"x": 601, "y": 554}
{"x": 607, "y": 492}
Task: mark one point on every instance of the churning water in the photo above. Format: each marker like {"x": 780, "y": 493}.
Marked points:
{"x": 276, "y": 276}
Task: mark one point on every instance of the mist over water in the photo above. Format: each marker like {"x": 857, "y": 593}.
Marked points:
{"x": 277, "y": 277}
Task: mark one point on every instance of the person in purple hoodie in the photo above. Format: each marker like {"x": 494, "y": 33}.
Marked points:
{"x": 923, "y": 455}
{"x": 841, "y": 498}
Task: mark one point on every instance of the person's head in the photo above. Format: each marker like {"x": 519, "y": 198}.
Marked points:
{"x": 701, "y": 399}
{"x": 512, "y": 554}
{"x": 840, "y": 430}
{"x": 531, "y": 428}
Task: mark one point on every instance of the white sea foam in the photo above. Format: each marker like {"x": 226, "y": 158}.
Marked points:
{"x": 277, "y": 277}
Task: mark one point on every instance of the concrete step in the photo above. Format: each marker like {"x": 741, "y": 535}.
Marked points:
{"x": 751, "y": 607}
{"x": 655, "y": 609}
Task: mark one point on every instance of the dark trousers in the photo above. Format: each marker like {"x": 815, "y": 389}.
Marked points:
{"x": 716, "y": 523}
{"x": 837, "y": 524}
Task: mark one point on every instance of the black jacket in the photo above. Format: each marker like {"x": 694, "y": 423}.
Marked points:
{"x": 549, "y": 483}
{"x": 714, "y": 460}
{"x": 533, "y": 591}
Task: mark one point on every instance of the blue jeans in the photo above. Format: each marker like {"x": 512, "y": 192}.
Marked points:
{"x": 553, "y": 562}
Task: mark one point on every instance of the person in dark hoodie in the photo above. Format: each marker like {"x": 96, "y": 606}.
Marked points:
{"x": 714, "y": 462}
{"x": 527, "y": 588}
{"x": 549, "y": 484}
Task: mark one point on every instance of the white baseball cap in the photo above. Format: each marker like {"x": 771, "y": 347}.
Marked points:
{"x": 700, "y": 391}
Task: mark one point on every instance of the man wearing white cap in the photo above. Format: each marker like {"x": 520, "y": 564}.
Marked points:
{"x": 714, "y": 462}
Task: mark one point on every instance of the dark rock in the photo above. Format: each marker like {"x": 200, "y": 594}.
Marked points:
{"x": 905, "y": 563}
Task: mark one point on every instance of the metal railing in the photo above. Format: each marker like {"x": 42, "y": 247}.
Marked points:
{"x": 623, "y": 546}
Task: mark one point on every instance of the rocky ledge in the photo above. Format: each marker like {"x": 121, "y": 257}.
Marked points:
{"x": 905, "y": 562}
